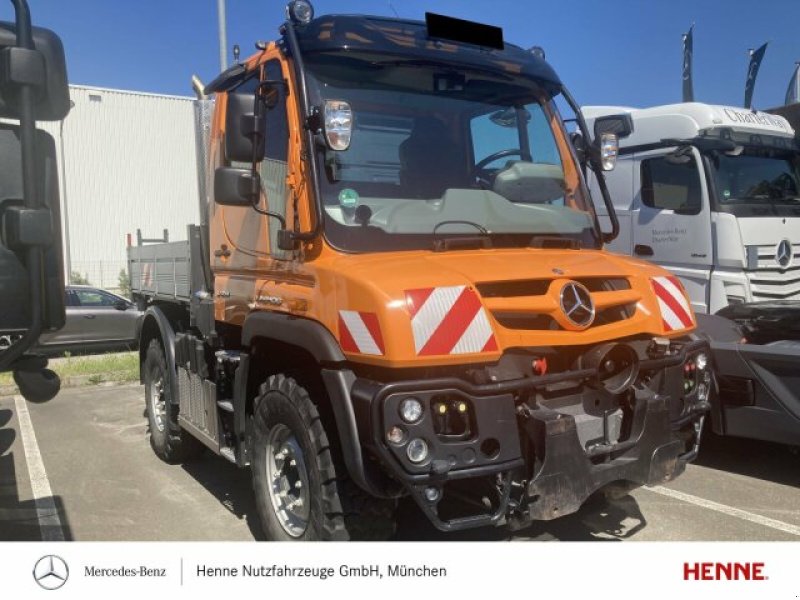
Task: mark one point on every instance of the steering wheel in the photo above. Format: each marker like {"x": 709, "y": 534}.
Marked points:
{"x": 478, "y": 170}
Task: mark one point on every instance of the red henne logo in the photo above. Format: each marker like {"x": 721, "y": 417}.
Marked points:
{"x": 732, "y": 571}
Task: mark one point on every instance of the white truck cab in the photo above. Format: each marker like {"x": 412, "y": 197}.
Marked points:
{"x": 711, "y": 193}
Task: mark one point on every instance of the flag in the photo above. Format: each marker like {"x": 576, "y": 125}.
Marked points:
{"x": 688, "y": 88}
{"x": 756, "y": 56}
{"x": 793, "y": 93}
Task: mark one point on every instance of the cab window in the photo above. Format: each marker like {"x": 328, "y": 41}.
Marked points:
{"x": 667, "y": 185}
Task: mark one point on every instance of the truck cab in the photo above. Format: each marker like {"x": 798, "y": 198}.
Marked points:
{"x": 713, "y": 194}
{"x": 399, "y": 288}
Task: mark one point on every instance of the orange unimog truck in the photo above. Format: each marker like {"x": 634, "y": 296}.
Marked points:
{"x": 398, "y": 288}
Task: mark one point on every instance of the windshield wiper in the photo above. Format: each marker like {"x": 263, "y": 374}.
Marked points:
{"x": 440, "y": 245}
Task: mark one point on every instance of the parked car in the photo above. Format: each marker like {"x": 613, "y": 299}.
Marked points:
{"x": 97, "y": 320}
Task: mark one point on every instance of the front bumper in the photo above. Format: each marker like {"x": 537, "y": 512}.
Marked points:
{"x": 533, "y": 456}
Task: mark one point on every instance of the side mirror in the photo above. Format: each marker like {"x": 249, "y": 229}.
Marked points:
{"x": 45, "y": 67}
{"x": 236, "y": 187}
{"x": 620, "y": 125}
{"x": 121, "y": 305}
{"x": 244, "y": 129}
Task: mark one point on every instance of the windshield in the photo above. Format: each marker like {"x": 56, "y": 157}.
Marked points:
{"x": 757, "y": 176}
{"x": 436, "y": 153}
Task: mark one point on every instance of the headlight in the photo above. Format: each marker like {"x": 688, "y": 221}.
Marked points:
{"x": 609, "y": 148}
{"x": 411, "y": 410}
{"x": 417, "y": 450}
{"x": 701, "y": 360}
{"x": 338, "y": 124}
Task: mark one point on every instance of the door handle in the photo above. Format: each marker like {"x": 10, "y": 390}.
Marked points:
{"x": 88, "y": 316}
{"x": 643, "y": 250}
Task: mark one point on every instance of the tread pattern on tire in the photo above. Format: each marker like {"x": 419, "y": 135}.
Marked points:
{"x": 348, "y": 512}
{"x": 176, "y": 446}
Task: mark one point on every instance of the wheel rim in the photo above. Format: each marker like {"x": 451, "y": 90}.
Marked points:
{"x": 158, "y": 402}
{"x": 287, "y": 480}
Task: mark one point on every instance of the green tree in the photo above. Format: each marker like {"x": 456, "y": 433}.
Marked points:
{"x": 124, "y": 283}
{"x": 75, "y": 278}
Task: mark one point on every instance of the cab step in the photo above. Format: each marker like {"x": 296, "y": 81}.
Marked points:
{"x": 227, "y": 453}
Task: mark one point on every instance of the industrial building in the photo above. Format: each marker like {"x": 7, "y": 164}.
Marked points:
{"x": 127, "y": 161}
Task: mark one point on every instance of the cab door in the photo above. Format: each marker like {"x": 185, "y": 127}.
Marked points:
{"x": 249, "y": 238}
{"x": 672, "y": 219}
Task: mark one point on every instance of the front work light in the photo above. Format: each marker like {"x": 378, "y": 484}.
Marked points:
{"x": 417, "y": 450}
{"x": 338, "y": 124}
{"x": 609, "y": 148}
{"x": 300, "y": 11}
{"x": 411, "y": 410}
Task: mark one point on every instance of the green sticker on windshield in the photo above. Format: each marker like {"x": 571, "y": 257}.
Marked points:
{"x": 727, "y": 193}
{"x": 348, "y": 198}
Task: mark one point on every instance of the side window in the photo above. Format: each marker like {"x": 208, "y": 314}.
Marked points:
{"x": 671, "y": 186}
{"x": 94, "y": 298}
{"x": 274, "y": 166}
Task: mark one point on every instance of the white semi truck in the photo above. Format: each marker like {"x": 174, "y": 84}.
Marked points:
{"x": 712, "y": 193}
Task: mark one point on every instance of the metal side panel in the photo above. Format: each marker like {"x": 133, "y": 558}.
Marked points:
{"x": 161, "y": 270}
{"x": 184, "y": 392}
{"x": 210, "y": 416}
{"x": 197, "y": 411}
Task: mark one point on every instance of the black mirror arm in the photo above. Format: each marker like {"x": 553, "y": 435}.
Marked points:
{"x": 594, "y": 164}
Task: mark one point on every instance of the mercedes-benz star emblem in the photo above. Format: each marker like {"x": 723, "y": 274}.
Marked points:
{"x": 577, "y": 304}
{"x": 51, "y": 572}
{"x": 783, "y": 253}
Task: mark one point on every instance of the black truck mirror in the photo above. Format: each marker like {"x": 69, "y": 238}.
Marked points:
{"x": 244, "y": 129}
{"x": 236, "y": 187}
{"x": 21, "y": 227}
{"x": 620, "y": 125}
{"x": 33, "y": 87}
{"x": 45, "y": 67}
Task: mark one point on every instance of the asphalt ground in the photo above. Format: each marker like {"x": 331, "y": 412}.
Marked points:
{"x": 81, "y": 468}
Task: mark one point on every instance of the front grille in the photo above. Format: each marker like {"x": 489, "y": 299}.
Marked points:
{"x": 538, "y": 287}
{"x": 526, "y": 304}
{"x": 544, "y": 322}
{"x": 768, "y": 280}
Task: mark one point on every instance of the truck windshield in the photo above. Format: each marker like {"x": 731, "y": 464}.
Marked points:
{"x": 439, "y": 152}
{"x": 757, "y": 176}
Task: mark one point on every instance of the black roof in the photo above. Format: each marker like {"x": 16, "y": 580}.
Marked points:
{"x": 409, "y": 39}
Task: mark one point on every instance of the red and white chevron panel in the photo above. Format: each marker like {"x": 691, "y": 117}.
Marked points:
{"x": 676, "y": 313}
{"x": 360, "y": 332}
{"x": 449, "y": 320}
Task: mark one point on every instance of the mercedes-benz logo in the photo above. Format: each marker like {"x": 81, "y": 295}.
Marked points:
{"x": 783, "y": 253}
{"x": 51, "y": 572}
{"x": 577, "y": 304}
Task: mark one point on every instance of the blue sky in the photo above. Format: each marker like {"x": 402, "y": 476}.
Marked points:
{"x": 608, "y": 52}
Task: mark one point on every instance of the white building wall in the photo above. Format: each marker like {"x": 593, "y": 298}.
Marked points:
{"x": 126, "y": 161}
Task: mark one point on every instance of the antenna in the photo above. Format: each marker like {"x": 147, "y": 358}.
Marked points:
{"x": 391, "y": 7}
{"x": 236, "y": 52}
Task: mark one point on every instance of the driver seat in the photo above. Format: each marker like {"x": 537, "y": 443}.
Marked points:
{"x": 429, "y": 160}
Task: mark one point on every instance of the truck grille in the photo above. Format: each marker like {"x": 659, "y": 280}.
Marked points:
{"x": 526, "y": 304}
{"x": 768, "y": 280}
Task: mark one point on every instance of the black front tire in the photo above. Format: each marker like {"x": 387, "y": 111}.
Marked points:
{"x": 171, "y": 443}
{"x": 338, "y": 508}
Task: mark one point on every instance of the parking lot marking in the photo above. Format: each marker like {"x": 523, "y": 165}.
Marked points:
{"x": 727, "y": 510}
{"x": 46, "y": 511}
